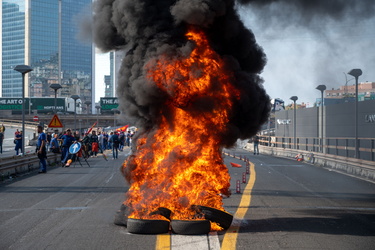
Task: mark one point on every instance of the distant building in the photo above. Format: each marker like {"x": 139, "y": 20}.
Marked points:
{"x": 366, "y": 91}
{"x": 108, "y": 86}
{"x": 30, "y": 32}
{"x": 115, "y": 62}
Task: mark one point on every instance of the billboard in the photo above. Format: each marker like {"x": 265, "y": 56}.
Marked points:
{"x": 108, "y": 103}
{"x": 46, "y": 104}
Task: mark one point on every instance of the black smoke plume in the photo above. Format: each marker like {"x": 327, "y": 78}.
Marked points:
{"x": 147, "y": 29}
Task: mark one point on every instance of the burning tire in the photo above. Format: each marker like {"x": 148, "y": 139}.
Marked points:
{"x": 190, "y": 227}
{"x": 165, "y": 212}
{"x": 140, "y": 226}
{"x": 224, "y": 219}
{"x": 121, "y": 217}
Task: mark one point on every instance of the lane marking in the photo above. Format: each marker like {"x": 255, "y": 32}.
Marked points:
{"x": 230, "y": 237}
{"x": 211, "y": 241}
{"x": 163, "y": 242}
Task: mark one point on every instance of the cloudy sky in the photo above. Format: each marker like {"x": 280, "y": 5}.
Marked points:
{"x": 305, "y": 46}
{"x": 305, "y": 51}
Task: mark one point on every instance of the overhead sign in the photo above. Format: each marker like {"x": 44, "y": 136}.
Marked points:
{"x": 34, "y": 103}
{"x": 55, "y": 122}
{"x": 108, "y": 103}
{"x": 74, "y": 148}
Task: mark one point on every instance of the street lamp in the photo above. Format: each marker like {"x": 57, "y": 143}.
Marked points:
{"x": 55, "y": 87}
{"x": 115, "y": 111}
{"x": 321, "y": 88}
{"x": 88, "y": 103}
{"x": 87, "y": 107}
{"x": 23, "y": 69}
{"x": 97, "y": 113}
{"x": 75, "y": 98}
{"x": 356, "y": 73}
{"x": 294, "y": 99}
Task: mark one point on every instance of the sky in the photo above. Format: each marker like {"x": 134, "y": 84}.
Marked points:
{"x": 301, "y": 54}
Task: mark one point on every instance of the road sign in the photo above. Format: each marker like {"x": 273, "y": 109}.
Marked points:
{"x": 74, "y": 148}
{"x": 35, "y": 118}
{"x": 55, "y": 122}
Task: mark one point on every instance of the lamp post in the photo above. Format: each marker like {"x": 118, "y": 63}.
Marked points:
{"x": 356, "y": 73}
{"x": 75, "y": 98}
{"x": 88, "y": 103}
{"x": 88, "y": 111}
{"x": 55, "y": 87}
{"x": 23, "y": 69}
{"x": 97, "y": 113}
{"x": 294, "y": 99}
{"x": 115, "y": 111}
{"x": 321, "y": 88}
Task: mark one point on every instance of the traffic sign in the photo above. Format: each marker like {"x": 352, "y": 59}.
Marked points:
{"x": 55, "y": 122}
{"x": 35, "y": 118}
{"x": 74, "y": 148}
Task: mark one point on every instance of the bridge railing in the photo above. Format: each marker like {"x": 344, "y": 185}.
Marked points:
{"x": 340, "y": 146}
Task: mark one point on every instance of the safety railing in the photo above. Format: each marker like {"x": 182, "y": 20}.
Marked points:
{"x": 340, "y": 146}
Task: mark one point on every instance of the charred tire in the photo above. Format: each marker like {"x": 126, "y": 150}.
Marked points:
{"x": 163, "y": 212}
{"x": 140, "y": 226}
{"x": 224, "y": 219}
{"x": 190, "y": 227}
{"x": 121, "y": 217}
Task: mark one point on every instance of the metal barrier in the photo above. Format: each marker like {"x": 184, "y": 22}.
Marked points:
{"x": 340, "y": 146}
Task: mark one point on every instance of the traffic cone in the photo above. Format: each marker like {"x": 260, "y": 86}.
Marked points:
{"x": 238, "y": 187}
{"x": 235, "y": 165}
{"x": 243, "y": 177}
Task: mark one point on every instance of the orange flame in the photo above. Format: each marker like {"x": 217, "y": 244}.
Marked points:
{"x": 180, "y": 164}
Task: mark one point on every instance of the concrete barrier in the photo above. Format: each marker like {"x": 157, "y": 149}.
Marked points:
{"x": 350, "y": 166}
{"x": 18, "y": 165}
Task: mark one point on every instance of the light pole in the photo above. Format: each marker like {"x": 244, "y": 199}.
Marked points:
{"x": 88, "y": 103}
{"x": 356, "y": 73}
{"x": 23, "y": 69}
{"x": 97, "y": 113}
{"x": 321, "y": 88}
{"x": 55, "y": 87}
{"x": 88, "y": 111}
{"x": 75, "y": 98}
{"x": 115, "y": 111}
{"x": 294, "y": 99}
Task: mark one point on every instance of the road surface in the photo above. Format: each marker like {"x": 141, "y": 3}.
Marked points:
{"x": 284, "y": 204}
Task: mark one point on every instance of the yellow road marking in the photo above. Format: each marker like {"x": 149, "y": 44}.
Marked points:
{"x": 230, "y": 237}
{"x": 163, "y": 241}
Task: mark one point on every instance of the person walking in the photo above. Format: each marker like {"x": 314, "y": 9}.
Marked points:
{"x": 41, "y": 150}
{"x": 94, "y": 140}
{"x": 115, "y": 140}
{"x": 256, "y": 145}
{"x": 18, "y": 141}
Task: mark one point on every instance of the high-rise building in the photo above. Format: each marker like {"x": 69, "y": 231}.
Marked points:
{"x": 108, "y": 86}
{"x": 44, "y": 35}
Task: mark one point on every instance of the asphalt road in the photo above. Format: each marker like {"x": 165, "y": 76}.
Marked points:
{"x": 284, "y": 204}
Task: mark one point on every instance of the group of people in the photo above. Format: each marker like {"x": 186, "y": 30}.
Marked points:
{"x": 91, "y": 144}
{"x": 17, "y": 140}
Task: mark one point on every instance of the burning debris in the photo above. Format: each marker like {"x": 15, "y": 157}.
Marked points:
{"x": 190, "y": 80}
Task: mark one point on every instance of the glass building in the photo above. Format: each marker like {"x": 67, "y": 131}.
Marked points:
{"x": 30, "y": 32}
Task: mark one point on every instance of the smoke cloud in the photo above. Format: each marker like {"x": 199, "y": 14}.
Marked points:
{"x": 148, "y": 29}
{"x": 311, "y": 42}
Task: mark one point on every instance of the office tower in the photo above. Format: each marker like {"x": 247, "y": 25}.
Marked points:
{"x": 44, "y": 35}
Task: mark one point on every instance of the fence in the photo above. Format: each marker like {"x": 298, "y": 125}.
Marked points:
{"x": 343, "y": 146}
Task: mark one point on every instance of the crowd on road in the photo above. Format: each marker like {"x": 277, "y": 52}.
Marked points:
{"x": 91, "y": 143}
